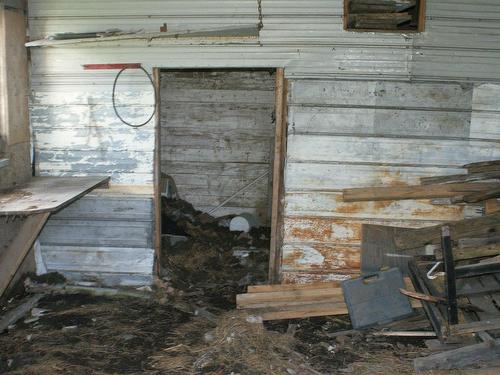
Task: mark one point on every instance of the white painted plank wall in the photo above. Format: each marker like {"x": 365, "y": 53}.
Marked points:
{"x": 217, "y": 136}
{"x": 333, "y": 143}
{"x": 102, "y": 238}
{"x": 357, "y": 134}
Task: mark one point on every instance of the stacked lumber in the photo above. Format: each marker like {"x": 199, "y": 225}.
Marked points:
{"x": 273, "y": 302}
{"x": 292, "y": 301}
{"x": 481, "y": 183}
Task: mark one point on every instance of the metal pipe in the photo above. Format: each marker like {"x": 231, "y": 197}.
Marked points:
{"x": 246, "y": 187}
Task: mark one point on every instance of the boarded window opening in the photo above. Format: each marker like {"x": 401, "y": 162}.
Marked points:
{"x": 384, "y": 15}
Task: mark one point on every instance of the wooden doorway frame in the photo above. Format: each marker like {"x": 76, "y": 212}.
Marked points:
{"x": 278, "y": 166}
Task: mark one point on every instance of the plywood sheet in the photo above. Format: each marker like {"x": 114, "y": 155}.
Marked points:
{"x": 47, "y": 194}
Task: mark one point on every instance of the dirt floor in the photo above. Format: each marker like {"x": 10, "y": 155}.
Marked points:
{"x": 188, "y": 325}
{"x": 84, "y": 334}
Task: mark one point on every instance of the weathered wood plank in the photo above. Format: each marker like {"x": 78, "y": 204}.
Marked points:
{"x": 459, "y": 358}
{"x": 335, "y": 230}
{"x": 283, "y": 287}
{"x": 12, "y": 316}
{"x": 295, "y": 277}
{"x": 12, "y": 258}
{"x": 415, "y": 192}
{"x": 330, "y": 176}
{"x": 460, "y": 178}
{"x": 461, "y": 229}
{"x": 481, "y": 196}
{"x": 47, "y": 194}
{"x": 257, "y": 300}
{"x": 98, "y": 259}
{"x": 473, "y": 327}
{"x": 377, "y": 121}
{"x": 320, "y": 257}
{"x": 424, "y": 152}
{"x": 483, "y": 166}
{"x": 219, "y": 80}
{"x": 389, "y": 94}
{"x": 473, "y": 252}
{"x": 177, "y": 95}
{"x": 95, "y": 232}
{"x": 301, "y": 311}
{"x": 334, "y": 205}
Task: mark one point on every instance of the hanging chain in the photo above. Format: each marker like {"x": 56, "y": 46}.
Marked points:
{"x": 261, "y": 17}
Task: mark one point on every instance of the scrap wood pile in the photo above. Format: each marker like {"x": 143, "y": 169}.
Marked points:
{"x": 275, "y": 302}
{"x": 201, "y": 254}
{"x": 454, "y": 267}
{"x": 481, "y": 183}
{"x": 453, "y": 271}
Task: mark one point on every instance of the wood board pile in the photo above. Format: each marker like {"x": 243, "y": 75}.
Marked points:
{"x": 474, "y": 254}
{"x": 480, "y": 184}
{"x": 291, "y": 301}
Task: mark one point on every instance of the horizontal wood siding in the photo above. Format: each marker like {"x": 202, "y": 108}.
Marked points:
{"x": 102, "y": 238}
{"x": 217, "y": 135}
{"x": 358, "y": 134}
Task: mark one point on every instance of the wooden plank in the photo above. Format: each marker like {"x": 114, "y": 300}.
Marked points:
{"x": 291, "y": 287}
{"x": 377, "y": 243}
{"x": 464, "y": 243}
{"x": 382, "y": 94}
{"x": 405, "y": 334}
{"x": 157, "y": 177}
{"x": 414, "y": 192}
{"x": 333, "y": 176}
{"x": 472, "y": 252}
{"x": 47, "y": 194}
{"x": 320, "y": 257}
{"x": 492, "y": 206}
{"x": 332, "y": 204}
{"x": 12, "y": 316}
{"x": 303, "y": 311}
{"x": 459, "y": 358}
{"x": 485, "y": 166}
{"x": 460, "y": 178}
{"x": 387, "y": 150}
{"x": 99, "y": 259}
{"x": 337, "y": 231}
{"x": 415, "y": 238}
{"x": 311, "y": 295}
{"x": 278, "y": 162}
{"x": 374, "y": 121}
{"x": 473, "y": 327}
{"x": 422, "y": 296}
{"x": 12, "y": 258}
{"x": 421, "y": 16}
{"x": 481, "y": 196}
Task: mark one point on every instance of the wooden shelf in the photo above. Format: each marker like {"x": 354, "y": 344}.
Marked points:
{"x": 47, "y": 194}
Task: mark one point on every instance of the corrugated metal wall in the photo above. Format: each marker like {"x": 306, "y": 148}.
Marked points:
{"x": 362, "y": 133}
{"x": 217, "y": 136}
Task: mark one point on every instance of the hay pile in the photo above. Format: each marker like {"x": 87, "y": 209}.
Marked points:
{"x": 236, "y": 345}
{"x": 82, "y": 334}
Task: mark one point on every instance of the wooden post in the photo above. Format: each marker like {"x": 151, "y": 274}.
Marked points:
{"x": 13, "y": 257}
{"x": 157, "y": 176}
{"x": 449, "y": 266}
{"x": 278, "y": 184}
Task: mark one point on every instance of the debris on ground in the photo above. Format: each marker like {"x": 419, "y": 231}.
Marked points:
{"x": 186, "y": 323}
{"x": 210, "y": 261}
